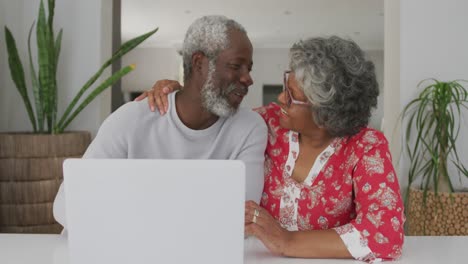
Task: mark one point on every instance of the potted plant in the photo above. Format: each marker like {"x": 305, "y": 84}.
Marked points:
{"x": 31, "y": 163}
{"x": 433, "y": 205}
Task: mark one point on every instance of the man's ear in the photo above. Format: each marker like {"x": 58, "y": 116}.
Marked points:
{"x": 197, "y": 61}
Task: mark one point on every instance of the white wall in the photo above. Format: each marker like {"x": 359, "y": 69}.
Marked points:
{"x": 163, "y": 63}
{"x": 152, "y": 64}
{"x": 434, "y": 44}
{"x": 377, "y": 57}
{"x": 269, "y": 64}
{"x": 12, "y": 112}
{"x": 84, "y": 45}
{"x": 391, "y": 88}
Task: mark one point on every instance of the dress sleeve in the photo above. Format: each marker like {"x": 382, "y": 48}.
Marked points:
{"x": 376, "y": 233}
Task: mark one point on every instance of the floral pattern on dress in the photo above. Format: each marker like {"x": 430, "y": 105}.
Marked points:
{"x": 374, "y": 164}
{"x": 352, "y": 188}
{"x": 315, "y": 195}
{"x": 303, "y": 222}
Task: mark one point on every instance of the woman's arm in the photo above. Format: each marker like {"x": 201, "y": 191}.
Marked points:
{"x": 317, "y": 244}
{"x": 376, "y": 233}
{"x": 300, "y": 244}
{"x": 157, "y": 96}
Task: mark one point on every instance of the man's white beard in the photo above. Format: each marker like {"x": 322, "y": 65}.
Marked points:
{"x": 216, "y": 102}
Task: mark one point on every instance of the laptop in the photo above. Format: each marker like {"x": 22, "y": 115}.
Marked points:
{"x": 155, "y": 211}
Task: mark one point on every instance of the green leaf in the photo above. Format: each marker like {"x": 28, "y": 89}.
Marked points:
{"x": 50, "y": 20}
{"x": 58, "y": 47}
{"x": 102, "y": 87}
{"x": 124, "y": 49}
{"x": 17, "y": 74}
{"x": 46, "y": 67}
{"x": 432, "y": 126}
{"x": 129, "y": 45}
{"x": 52, "y": 58}
{"x": 35, "y": 86}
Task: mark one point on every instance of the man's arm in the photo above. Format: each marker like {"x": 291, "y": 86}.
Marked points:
{"x": 110, "y": 143}
{"x": 253, "y": 155}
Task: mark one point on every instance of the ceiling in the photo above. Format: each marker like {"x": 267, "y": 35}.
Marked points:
{"x": 269, "y": 23}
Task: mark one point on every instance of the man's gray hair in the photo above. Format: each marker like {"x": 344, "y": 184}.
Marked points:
{"x": 207, "y": 34}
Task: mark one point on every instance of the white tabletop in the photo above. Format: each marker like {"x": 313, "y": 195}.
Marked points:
{"x": 52, "y": 249}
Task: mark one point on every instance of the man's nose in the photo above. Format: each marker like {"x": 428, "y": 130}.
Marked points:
{"x": 246, "y": 79}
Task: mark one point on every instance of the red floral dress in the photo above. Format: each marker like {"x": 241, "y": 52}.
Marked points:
{"x": 351, "y": 188}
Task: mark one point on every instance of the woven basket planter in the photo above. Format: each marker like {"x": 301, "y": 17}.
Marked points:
{"x": 30, "y": 175}
{"x": 443, "y": 216}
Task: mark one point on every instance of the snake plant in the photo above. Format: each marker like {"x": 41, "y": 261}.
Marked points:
{"x": 432, "y": 130}
{"x": 43, "y": 117}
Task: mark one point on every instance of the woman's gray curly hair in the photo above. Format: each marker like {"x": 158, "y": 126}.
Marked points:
{"x": 207, "y": 34}
{"x": 338, "y": 81}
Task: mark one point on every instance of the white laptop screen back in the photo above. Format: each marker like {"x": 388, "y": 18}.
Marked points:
{"x": 155, "y": 211}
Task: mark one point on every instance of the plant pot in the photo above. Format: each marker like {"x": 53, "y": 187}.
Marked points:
{"x": 30, "y": 175}
{"x": 445, "y": 215}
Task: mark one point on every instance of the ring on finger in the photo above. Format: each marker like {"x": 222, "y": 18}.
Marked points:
{"x": 256, "y": 212}
{"x": 255, "y": 215}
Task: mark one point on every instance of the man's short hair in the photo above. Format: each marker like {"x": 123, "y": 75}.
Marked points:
{"x": 208, "y": 35}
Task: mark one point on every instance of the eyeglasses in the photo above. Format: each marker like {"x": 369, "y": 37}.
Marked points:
{"x": 290, "y": 99}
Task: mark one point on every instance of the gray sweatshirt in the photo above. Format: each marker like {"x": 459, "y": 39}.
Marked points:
{"x": 134, "y": 132}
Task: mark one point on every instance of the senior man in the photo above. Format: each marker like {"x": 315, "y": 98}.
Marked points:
{"x": 204, "y": 120}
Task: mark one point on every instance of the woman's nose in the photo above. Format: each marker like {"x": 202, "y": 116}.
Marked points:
{"x": 282, "y": 98}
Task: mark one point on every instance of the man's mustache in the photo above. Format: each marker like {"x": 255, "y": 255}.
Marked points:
{"x": 239, "y": 89}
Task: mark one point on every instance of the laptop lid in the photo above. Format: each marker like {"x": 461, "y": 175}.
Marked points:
{"x": 155, "y": 211}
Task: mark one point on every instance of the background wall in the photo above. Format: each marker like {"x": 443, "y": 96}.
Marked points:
{"x": 152, "y": 64}
{"x": 86, "y": 43}
{"x": 377, "y": 57}
{"x": 429, "y": 48}
{"x": 12, "y": 116}
{"x": 434, "y": 44}
{"x": 269, "y": 64}
{"x": 391, "y": 85}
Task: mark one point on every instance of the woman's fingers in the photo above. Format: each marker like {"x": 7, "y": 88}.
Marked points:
{"x": 160, "y": 91}
{"x": 251, "y": 204}
{"x": 251, "y": 230}
{"x": 250, "y": 207}
{"x": 158, "y": 95}
{"x": 151, "y": 102}
{"x": 155, "y": 91}
{"x": 251, "y": 217}
{"x": 141, "y": 97}
{"x": 271, "y": 241}
{"x": 166, "y": 90}
{"x": 159, "y": 104}
{"x": 259, "y": 223}
{"x": 170, "y": 86}
{"x": 270, "y": 233}
{"x": 247, "y": 217}
{"x": 256, "y": 214}
{"x": 258, "y": 232}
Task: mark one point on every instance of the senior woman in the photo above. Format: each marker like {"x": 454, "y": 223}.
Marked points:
{"x": 330, "y": 188}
